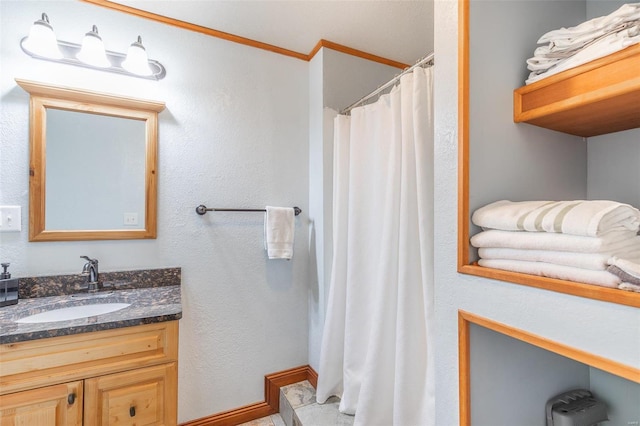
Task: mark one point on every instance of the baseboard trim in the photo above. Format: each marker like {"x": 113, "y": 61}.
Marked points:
{"x": 271, "y": 405}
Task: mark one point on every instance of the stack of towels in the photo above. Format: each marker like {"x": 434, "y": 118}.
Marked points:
{"x": 566, "y": 48}
{"x": 593, "y": 242}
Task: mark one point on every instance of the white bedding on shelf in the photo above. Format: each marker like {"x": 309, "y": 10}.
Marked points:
{"x": 566, "y": 48}
{"x": 610, "y": 242}
{"x": 594, "y": 261}
{"x": 587, "y": 276}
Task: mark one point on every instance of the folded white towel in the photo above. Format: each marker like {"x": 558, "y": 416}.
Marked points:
{"x": 624, "y": 277}
{"x": 279, "y": 227}
{"x": 600, "y": 278}
{"x": 580, "y": 217}
{"x": 630, "y": 265}
{"x": 629, "y": 287}
{"x": 598, "y": 49}
{"x": 613, "y": 241}
{"x": 566, "y": 48}
{"x": 594, "y": 261}
{"x": 545, "y": 57}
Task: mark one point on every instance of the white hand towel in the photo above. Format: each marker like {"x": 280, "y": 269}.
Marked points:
{"x": 590, "y": 218}
{"x": 279, "y": 227}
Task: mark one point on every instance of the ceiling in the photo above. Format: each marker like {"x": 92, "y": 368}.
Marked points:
{"x": 400, "y": 30}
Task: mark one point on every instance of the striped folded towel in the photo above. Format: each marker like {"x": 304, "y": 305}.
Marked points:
{"x": 589, "y": 218}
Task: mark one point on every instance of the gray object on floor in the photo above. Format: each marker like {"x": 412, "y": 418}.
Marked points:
{"x": 575, "y": 408}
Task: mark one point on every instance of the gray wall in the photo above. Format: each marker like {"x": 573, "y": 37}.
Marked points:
{"x": 621, "y": 396}
{"x": 597, "y": 8}
{"x": 614, "y": 167}
{"x": 512, "y": 161}
{"x": 511, "y": 380}
{"x": 613, "y": 171}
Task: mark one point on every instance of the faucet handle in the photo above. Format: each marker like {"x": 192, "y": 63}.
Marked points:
{"x": 86, "y": 269}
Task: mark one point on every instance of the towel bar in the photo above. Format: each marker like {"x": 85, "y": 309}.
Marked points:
{"x": 202, "y": 209}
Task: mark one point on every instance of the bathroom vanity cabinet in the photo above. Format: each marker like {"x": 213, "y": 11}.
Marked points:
{"x": 49, "y": 405}
{"x": 122, "y": 376}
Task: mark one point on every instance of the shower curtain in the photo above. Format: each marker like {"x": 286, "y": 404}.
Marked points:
{"x": 376, "y": 352}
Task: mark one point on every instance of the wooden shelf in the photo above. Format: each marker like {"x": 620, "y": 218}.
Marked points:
{"x": 589, "y": 291}
{"x": 599, "y": 97}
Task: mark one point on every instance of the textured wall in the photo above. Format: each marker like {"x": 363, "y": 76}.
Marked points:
{"x": 234, "y": 134}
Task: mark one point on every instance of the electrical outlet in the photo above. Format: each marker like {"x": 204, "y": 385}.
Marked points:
{"x": 10, "y": 219}
{"x": 131, "y": 219}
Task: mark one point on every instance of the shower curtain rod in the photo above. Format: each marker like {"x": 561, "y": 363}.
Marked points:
{"x": 421, "y": 62}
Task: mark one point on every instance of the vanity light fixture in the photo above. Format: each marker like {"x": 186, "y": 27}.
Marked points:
{"x": 42, "y": 40}
{"x": 41, "y": 43}
{"x": 92, "y": 51}
{"x": 137, "y": 61}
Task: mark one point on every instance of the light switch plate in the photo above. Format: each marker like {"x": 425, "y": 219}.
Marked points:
{"x": 10, "y": 219}
{"x": 130, "y": 219}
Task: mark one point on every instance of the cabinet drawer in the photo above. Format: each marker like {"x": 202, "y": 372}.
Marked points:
{"x": 42, "y": 362}
{"x": 146, "y": 396}
{"x": 48, "y": 406}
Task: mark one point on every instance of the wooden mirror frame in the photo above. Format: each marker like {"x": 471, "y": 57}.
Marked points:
{"x": 465, "y": 265}
{"x": 43, "y": 96}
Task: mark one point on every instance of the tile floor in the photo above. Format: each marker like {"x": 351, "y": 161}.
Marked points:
{"x": 298, "y": 407}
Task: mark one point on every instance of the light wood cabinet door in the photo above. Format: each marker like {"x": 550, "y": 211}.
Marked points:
{"x": 57, "y": 405}
{"x": 146, "y": 396}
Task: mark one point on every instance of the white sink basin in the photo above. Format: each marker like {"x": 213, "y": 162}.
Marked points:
{"x": 73, "y": 312}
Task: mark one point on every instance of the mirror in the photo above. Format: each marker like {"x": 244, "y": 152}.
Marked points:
{"x": 92, "y": 165}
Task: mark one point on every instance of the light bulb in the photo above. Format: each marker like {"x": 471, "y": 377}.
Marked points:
{"x": 42, "y": 40}
{"x": 137, "y": 61}
{"x": 92, "y": 51}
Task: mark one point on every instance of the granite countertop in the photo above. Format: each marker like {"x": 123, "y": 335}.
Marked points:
{"x": 147, "y": 305}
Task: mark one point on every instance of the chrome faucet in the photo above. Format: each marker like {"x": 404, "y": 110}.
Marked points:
{"x": 90, "y": 269}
